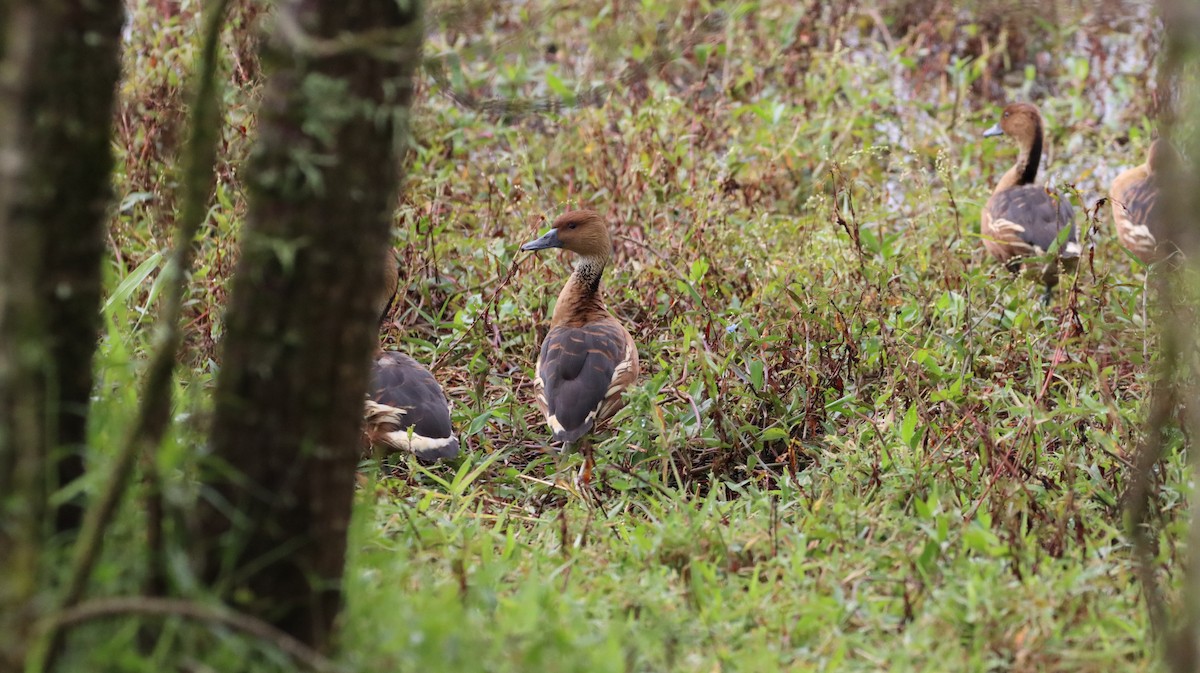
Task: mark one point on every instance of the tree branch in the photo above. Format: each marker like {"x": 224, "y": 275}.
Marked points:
{"x": 137, "y": 606}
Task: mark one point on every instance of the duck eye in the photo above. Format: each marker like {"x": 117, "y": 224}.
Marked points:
{"x": 573, "y": 225}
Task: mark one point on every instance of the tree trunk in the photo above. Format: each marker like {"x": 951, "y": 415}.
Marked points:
{"x": 61, "y": 61}
{"x": 300, "y": 327}
{"x": 1177, "y": 381}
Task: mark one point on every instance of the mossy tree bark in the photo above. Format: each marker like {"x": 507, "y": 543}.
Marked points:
{"x": 1175, "y": 624}
{"x": 300, "y": 326}
{"x": 61, "y": 61}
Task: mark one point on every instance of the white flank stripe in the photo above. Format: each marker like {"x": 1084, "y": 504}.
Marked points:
{"x": 411, "y": 441}
{"x": 1007, "y": 227}
{"x": 382, "y": 413}
{"x": 1140, "y": 234}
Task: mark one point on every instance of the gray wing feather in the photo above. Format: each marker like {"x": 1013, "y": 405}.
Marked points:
{"x": 576, "y": 368}
{"x": 399, "y": 381}
{"x": 1043, "y": 214}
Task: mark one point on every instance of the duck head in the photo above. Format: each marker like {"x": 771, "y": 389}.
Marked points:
{"x": 1162, "y": 157}
{"x": 583, "y": 232}
{"x": 1020, "y": 121}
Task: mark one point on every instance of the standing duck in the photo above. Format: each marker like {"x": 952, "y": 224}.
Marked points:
{"x": 588, "y": 358}
{"x": 1023, "y": 219}
{"x": 1136, "y": 204}
{"x": 406, "y": 409}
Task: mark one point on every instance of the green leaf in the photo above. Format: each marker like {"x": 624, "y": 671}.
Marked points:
{"x": 134, "y": 198}
{"x": 774, "y": 433}
{"x": 556, "y": 85}
{"x": 908, "y": 428}
{"x": 756, "y": 374}
{"x": 478, "y": 422}
{"x": 131, "y": 282}
{"x": 927, "y": 561}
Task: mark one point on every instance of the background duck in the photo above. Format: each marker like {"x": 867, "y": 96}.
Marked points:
{"x": 406, "y": 409}
{"x": 1022, "y": 219}
{"x": 588, "y": 358}
{"x": 391, "y": 285}
{"x": 1137, "y": 207}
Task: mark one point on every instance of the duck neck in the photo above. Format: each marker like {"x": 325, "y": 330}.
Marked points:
{"x": 1025, "y": 171}
{"x": 1162, "y": 158}
{"x": 581, "y": 294}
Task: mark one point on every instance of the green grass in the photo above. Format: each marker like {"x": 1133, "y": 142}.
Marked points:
{"x": 852, "y": 446}
{"x": 813, "y": 574}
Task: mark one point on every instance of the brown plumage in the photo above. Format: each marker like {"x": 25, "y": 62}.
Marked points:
{"x": 406, "y": 409}
{"x": 1137, "y": 208}
{"x": 1023, "y": 219}
{"x": 391, "y": 284}
{"x": 588, "y": 358}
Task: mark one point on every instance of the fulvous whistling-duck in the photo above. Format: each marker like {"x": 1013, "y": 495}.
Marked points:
{"x": 588, "y": 358}
{"x": 406, "y": 409}
{"x": 1023, "y": 219}
{"x": 1137, "y": 208}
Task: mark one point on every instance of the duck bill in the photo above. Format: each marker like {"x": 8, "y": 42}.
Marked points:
{"x": 994, "y": 131}
{"x": 548, "y": 240}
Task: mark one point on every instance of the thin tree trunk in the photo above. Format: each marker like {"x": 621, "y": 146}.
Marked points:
{"x": 57, "y": 83}
{"x": 1177, "y": 386}
{"x": 300, "y": 326}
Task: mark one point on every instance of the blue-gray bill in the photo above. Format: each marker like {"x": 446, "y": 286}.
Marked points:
{"x": 548, "y": 240}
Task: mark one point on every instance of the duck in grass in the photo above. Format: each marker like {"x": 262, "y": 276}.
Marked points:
{"x": 1137, "y": 204}
{"x": 1023, "y": 219}
{"x": 588, "y": 358}
{"x": 406, "y": 409}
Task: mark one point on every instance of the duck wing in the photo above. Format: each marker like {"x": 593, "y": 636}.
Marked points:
{"x": 581, "y": 373}
{"x": 1026, "y": 220}
{"x": 407, "y": 410}
{"x": 1138, "y": 212}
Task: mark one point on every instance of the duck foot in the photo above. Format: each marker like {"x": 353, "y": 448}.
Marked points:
{"x": 581, "y": 483}
{"x": 589, "y": 463}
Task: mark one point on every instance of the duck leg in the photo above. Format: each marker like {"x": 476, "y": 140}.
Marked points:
{"x": 559, "y": 458}
{"x": 589, "y": 462}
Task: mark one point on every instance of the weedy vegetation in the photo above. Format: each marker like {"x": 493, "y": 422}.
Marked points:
{"x": 857, "y": 443}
